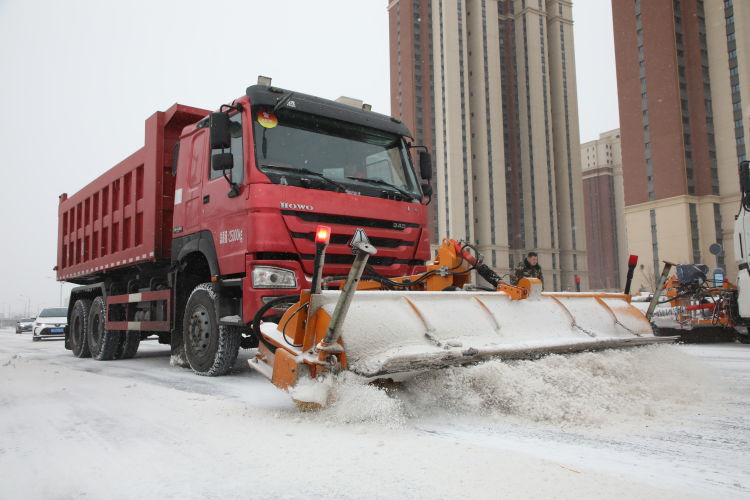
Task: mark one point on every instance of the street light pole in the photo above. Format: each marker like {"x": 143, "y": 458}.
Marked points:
{"x": 28, "y": 304}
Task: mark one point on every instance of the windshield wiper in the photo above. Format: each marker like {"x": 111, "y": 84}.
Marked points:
{"x": 300, "y": 170}
{"x": 381, "y": 182}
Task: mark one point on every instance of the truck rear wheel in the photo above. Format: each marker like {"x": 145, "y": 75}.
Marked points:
{"x": 79, "y": 320}
{"x": 102, "y": 343}
{"x": 128, "y": 346}
{"x": 211, "y": 349}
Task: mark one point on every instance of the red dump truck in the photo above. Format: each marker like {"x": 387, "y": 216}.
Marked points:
{"x": 216, "y": 215}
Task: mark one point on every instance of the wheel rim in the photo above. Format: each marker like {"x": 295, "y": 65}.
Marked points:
{"x": 199, "y": 330}
{"x": 77, "y": 331}
{"x": 96, "y": 333}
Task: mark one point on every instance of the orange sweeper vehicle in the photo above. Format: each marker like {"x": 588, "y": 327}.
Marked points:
{"x": 701, "y": 305}
{"x": 253, "y": 227}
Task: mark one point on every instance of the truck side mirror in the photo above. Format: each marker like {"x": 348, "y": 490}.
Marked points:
{"x": 222, "y": 162}
{"x": 221, "y": 137}
{"x": 425, "y": 165}
{"x": 745, "y": 176}
{"x": 427, "y": 190}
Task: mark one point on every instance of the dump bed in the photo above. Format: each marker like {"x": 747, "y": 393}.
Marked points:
{"x": 125, "y": 215}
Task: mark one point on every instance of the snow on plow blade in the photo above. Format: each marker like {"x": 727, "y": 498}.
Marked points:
{"x": 400, "y": 333}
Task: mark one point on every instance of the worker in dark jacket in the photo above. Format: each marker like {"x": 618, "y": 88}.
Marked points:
{"x": 529, "y": 268}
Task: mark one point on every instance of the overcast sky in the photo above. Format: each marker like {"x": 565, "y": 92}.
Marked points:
{"x": 78, "y": 79}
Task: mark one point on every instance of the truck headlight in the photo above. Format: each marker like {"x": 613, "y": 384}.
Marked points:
{"x": 273, "y": 277}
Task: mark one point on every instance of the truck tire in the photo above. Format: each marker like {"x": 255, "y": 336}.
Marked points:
{"x": 102, "y": 343}
{"x": 211, "y": 349}
{"x": 79, "y": 320}
{"x": 128, "y": 345}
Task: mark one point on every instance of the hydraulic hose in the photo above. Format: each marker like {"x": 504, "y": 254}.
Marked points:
{"x": 489, "y": 275}
{"x": 374, "y": 275}
{"x": 255, "y": 323}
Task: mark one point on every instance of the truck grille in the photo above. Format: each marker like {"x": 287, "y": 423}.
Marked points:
{"x": 348, "y": 220}
{"x": 396, "y": 241}
{"x": 373, "y": 261}
{"x": 343, "y": 239}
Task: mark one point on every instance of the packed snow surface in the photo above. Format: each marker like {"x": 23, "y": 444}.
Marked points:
{"x": 671, "y": 421}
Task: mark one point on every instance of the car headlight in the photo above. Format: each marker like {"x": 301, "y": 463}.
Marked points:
{"x": 273, "y": 277}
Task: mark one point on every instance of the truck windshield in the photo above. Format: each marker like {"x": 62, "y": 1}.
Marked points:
{"x": 304, "y": 150}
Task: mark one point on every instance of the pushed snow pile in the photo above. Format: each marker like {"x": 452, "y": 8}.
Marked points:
{"x": 586, "y": 389}
{"x": 591, "y": 389}
{"x": 313, "y": 391}
{"x": 351, "y": 400}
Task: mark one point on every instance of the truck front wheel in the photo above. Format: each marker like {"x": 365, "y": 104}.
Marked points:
{"x": 79, "y": 320}
{"x": 102, "y": 343}
{"x": 211, "y": 349}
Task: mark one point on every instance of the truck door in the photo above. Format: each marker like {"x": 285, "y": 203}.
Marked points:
{"x": 191, "y": 165}
{"x": 225, "y": 215}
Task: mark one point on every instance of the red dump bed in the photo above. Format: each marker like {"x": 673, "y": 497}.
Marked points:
{"x": 125, "y": 215}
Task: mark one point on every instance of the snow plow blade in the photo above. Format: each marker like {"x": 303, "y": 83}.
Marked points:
{"x": 383, "y": 332}
{"x": 399, "y": 334}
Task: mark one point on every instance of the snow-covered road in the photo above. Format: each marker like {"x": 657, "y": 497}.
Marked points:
{"x": 667, "y": 421}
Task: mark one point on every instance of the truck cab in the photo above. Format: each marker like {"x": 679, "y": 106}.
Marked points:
{"x": 741, "y": 242}
{"x": 254, "y": 180}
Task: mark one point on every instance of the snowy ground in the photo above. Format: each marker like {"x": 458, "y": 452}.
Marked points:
{"x": 667, "y": 421}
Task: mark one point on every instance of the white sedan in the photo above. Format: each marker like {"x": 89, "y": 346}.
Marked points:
{"x": 50, "y": 322}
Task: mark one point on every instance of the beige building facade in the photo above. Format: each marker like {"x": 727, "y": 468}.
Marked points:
{"x": 604, "y": 203}
{"x": 490, "y": 86}
{"x": 684, "y": 91}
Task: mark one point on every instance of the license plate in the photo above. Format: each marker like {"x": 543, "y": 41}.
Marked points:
{"x": 57, "y": 330}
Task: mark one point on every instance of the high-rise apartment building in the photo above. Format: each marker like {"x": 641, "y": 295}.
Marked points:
{"x": 683, "y": 73}
{"x": 603, "y": 201}
{"x": 489, "y": 86}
